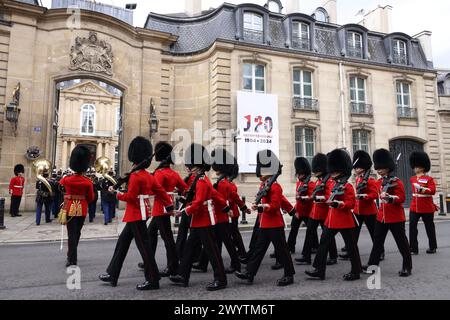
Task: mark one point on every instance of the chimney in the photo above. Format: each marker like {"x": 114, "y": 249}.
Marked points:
{"x": 378, "y": 20}
{"x": 331, "y": 7}
{"x": 193, "y": 7}
{"x": 292, "y": 6}
{"x": 425, "y": 41}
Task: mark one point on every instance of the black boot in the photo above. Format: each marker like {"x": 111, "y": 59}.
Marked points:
{"x": 165, "y": 273}
{"x": 272, "y": 256}
{"x": 404, "y": 273}
{"x": 141, "y": 266}
{"x": 108, "y": 278}
{"x": 70, "y": 263}
{"x": 244, "y": 276}
{"x": 277, "y": 266}
{"x": 177, "y": 279}
{"x": 344, "y": 256}
{"x": 231, "y": 270}
{"x": 351, "y": 276}
{"x": 316, "y": 274}
{"x": 216, "y": 285}
{"x": 431, "y": 251}
{"x": 303, "y": 261}
{"x": 331, "y": 262}
{"x": 147, "y": 285}
{"x": 414, "y": 252}
{"x": 285, "y": 281}
{"x": 199, "y": 267}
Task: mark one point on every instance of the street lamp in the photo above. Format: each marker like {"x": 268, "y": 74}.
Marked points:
{"x": 12, "y": 115}
{"x": 153, "y": 120}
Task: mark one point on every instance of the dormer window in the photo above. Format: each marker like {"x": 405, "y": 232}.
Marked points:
{"x": 354, "y": 44}
{"x": 321, "y": 15}
{"x": 300, "y": 35}
{"x": 400, "y": 55}
{"x": 274, "y": 6}
{"x": 253, "y": 27}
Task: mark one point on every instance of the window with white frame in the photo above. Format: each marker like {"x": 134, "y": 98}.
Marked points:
{"x": 253, "y": 27}
{"x": 254, "y": 77}
{"x": 303, "y": 89}
{"x": 88, "y": 119}
{"x": 358, "y": 95}
{"x": 117, "y": 120}
{"x": 304, "y": 142}
{"x": 400, "y": 52}
{"x": 361, "y": 140}
{"x": 300, "y": 35}
{"x": 404, "y": 107}
{"x": 321, "y": 15}
{"x": 354, "y": 44}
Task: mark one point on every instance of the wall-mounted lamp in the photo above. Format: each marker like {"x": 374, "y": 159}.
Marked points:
{"x": 153, "y": 120}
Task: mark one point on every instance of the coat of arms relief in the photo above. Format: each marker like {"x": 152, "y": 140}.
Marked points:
{"x": 91, "y": 54}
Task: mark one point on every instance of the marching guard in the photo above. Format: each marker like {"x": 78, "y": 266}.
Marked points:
{"x": 78, "y": 194}
{"x": 141, "y": 185}
{"x": 16, "y": 186}
{"x": 200, "y": 209}
{"x": 319, "y": 212}
{"x": 391, "y": 214}
{"x": 422, "y": 205}
{"x": 271, "y": 222}
{"x": 340, "y": 198}
{"x": 185, "y": 220}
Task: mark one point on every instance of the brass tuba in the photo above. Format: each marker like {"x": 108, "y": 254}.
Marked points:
{"x": 102, "y": 166}
{"x": 40, "y": 167}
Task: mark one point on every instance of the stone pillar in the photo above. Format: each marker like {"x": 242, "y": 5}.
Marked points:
{"x": 72, "y": 146}
{"x": 106, "y": 150}
{"x": 99, "y": 149}
{"x": 64, "y": 155}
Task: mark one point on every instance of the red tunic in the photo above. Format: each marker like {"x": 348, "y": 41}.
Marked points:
{"x": 422, "y": 202}
{"x": 392, "y": 212}
{"x": 77, "y": 185}
{"x": 286, "y": 206}
{"x": 367, "y": 206}
{"x": 235, "y": 202}
{"x": 319, "y": 210}
{"x": 16, "y": 186}
{"x": 271, "y": 217}
{"x": 169, "y": 180}
{"x": 221, "y": 201}
{"x": 342, "y": 216}
{"x": 201, "y": 207}
{"x": 303, "y": 207}
{"x": 142, "y": 184}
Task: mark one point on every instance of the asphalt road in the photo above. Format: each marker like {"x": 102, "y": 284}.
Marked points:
{"x": 37, "y": 271}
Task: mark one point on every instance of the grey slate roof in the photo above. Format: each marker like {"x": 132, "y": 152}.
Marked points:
{"x": 196, "y": 34}
{"x": 35, "y": 2}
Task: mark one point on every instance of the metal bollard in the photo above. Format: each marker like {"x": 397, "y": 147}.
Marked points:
{"x": 441, "y": 205}
{"x": 244, "y": 215}
{"x": 2, "y": 213}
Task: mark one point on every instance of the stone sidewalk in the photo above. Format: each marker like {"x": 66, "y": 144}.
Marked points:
{"x": 24, "y": 230}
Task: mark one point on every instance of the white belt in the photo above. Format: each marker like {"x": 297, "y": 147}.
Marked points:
{"x": 18, "y": 186}
{"x": 422, "y": 195}
{"x": 211, "y": 212}
{"x": 142, "y": 199}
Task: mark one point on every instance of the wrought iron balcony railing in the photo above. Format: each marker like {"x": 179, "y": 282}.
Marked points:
{"x": 305, "y": 104}
{"x": 406, "y": 113}
{"x": 400, "y": 59}
{"x": 361, "y": 108}
{"x": 253, "y": 35}
{"x": 301, "y": 43}
{"x": 354, "y": 52}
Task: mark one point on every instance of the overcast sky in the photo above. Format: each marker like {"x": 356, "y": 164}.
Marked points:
{"x": 409, "y": 16}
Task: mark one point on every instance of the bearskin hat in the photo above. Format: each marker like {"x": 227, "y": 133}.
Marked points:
{"x": 139, "y": 150}
{"x": 197, "y": 156}
{"x": 163, "y": 152}
{"x": 267, "y": 163}
{"x": 420, "y": 159}
{"x": 302, "y": 166}
{"x": 382, "y": 159}
{"x": 80, "y": 159}
{"x": 19, "y": 168}
{"x": 222, "y": 161}
{"x": 235, "y": 171}
{"x": 339, "y": 161}
{"x": 361, "y": 159}
{"x": 319, "y": 163}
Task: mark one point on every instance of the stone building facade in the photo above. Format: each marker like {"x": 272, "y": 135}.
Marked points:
{"x": 337, "y": 86}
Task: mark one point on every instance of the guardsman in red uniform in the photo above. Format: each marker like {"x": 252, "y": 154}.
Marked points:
{"x": 391, "y": 214}
{"x": 366, "y": 194}
{"x": 185, "y": 220}
{"x": 303, "y": 205}
{"x": 341, "y": 200}
{"x": 422, "y": 205}
{"x": 78, "y": 193}
{"x": 271, "y": 222}
{"x": 237, "y": 204}
{"x": 202, "y": 221}
{"x": 223, "y": 165}
{"x": 319, "y": 212}
{"x": 16, "y": 186}
{"x": 170, "y": 180}
{"x": 141, "y": 185}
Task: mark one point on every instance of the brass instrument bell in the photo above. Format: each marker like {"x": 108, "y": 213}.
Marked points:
{"x": 102, "y": 166}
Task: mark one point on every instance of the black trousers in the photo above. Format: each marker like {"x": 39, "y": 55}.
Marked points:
{"x": 428, "y": 220}
{"x": 74, "y": 226}
{"x": 398, "y": 231}
{"x": 251, "y": 246}
{"x": 370, "y": 222}
{"x": 236, "y": 237}
{"x": 311, "y": 237}
{"x": 202, "y": 237}
{"x": 277, "y": 237}
{"x": 295, "y": 226}
{"x": 183, "y": 230}
{"x": 15, "y": 204}
{"x": 138, "y": 231}
{"x": 223, "y": 236}
{"x": 162, "y": 223}
{"x": 328, "y": 237}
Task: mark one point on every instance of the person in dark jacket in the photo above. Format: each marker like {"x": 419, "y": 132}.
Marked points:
{"x": 43, "y": 199}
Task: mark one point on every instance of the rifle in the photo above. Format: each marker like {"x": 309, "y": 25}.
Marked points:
{"x": 363, "y": 184}
{"x": 320, "y": 187}
{"x": 304, "y": 188}
{"x": 339, "y": 188}
{"x": 264, "y": 191}
{"x": 191, "y": 192}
